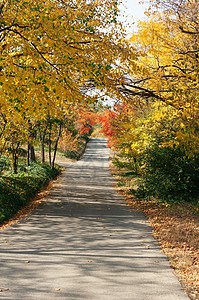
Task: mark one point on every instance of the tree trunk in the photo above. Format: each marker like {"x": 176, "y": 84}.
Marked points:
{"x": 28, "y": 155}
{"x": 49, "y": 146}
{"x": 42, "y": 136}
{"x": 135, "y": 164}
{"x": 42, "y": 151}
{"x": 49, "y": 153}
{"x": 14, "y": 161}
{"x": 32, "y": 153}
{"x": 56, "y": 145}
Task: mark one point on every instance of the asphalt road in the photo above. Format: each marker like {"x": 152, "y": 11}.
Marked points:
{"x": 85, "y": 243}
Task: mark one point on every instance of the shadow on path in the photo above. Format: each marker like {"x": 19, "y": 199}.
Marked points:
{"x": 85, "y": 243}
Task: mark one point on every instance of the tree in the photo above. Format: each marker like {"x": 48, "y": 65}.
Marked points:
{"x": 161, "y": 127}
{"x": 168, "y": 69}
{"x": 52, "y": 53}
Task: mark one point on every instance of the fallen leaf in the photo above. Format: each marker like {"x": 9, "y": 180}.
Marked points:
{"x": 27, "y": 261}
{"x": 156, "y": 261}
{"x": 173, "y": 267}
{"x": 3, "y": 290}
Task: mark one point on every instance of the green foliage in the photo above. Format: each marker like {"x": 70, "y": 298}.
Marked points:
{"x": 121, "y": 163}
{"x": 4, "y": 164}
{"x": 130, "y": 174}
{"x": 170, "y": 174}
{"x": 71, "y": 154}
{"x": 17, "y": 189}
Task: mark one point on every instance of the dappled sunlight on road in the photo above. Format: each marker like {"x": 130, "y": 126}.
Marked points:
{"x": 84, "y": 242}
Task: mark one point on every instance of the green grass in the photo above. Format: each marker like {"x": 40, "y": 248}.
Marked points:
{"x": 16, "y": 190}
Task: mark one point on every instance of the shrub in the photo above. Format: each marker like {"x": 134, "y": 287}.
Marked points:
{"x": 17, "y": 189}
{"x": 170, "y": 174}
{"x": 4, "y": 164}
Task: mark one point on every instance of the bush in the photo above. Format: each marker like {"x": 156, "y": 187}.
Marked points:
{"x": 170, "y": 174}
{"x": 17, "y": 189}
{"x": 125, "y": 163}
{"x": 4, "y": 164}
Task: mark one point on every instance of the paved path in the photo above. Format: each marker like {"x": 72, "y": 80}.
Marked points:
{"x": 85, "y": 243}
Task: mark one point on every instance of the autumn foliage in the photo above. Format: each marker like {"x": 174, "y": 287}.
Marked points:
{"x": 155, "y": 129}
{"x": 57, "y": 60}
{"x": 51, "y": 60}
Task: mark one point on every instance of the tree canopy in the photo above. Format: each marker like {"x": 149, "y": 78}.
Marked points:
{"x": 53, "y": 55}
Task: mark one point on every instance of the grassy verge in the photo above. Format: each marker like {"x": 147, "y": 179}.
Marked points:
{"x": 16, "y": 190}
{"x": 175, "y": 226}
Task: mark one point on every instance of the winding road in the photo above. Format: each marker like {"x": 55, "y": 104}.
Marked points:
{"x": 84, "y": 242}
